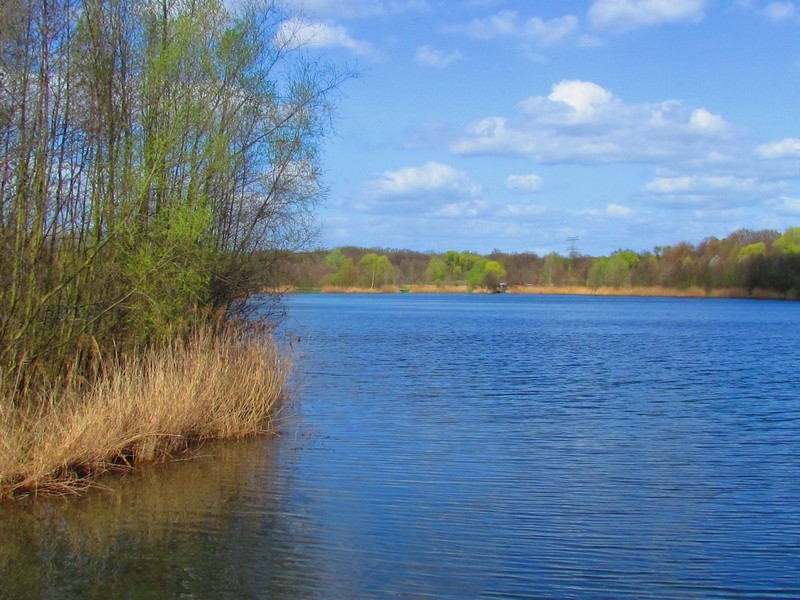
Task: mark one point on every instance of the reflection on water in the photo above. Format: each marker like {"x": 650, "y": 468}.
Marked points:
{"x": 471, "y": 446}
{"x": 184, "y": 530}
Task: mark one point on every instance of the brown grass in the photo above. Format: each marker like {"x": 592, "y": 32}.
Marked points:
{"x": 148, "y": 408}
{"x": 653, "y": 291}
{"x": 417, "y": 288}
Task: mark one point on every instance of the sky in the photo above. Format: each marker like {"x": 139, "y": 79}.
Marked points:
{"x": 545, "y": 126}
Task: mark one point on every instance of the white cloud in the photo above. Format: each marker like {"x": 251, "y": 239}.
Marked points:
{"x": 468, "y": 209}
{"x": 548, "y": 32}
{"x": 431, "y": 57}
{"x": 581, "y": 122}
{"x": 703, "y": 120}
{"x": 524, "y": 183}
{"x": 696, "y": 183}
{"x": 617, "y": 210}
{"x": 348, "y": 9}
{"x": 781, "y": 11}
{"x": 522, "y": 210}
{"x": 624, "y": 15}
{"x": 297, "y": 33}
{"x": 430, "y": 177}
{"x": 508, "y": 23}
{"x": 711, "y": 192}
{"x": 612, "y": 211}
{"x": 785, "y": 204}
{"x": 785, "y": 148}
{"x": 504, "y": 23}
{"x": 584, "y": 97}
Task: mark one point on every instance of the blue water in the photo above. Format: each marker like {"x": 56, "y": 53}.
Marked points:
{"x": 473, "y": 446}
{"x": 517, "y": 446}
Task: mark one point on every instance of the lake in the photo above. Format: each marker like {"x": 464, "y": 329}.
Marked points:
{"x": 470, "y": 446}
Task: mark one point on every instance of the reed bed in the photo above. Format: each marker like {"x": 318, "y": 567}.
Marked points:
{"x": 648, "y": 291}
{"x": 147, "y": 408}
{"x": 638, "y": 291}
{"x": 417, "y": 288}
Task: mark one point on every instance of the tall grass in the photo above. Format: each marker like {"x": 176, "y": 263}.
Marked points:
{"x": 143, "y": 408}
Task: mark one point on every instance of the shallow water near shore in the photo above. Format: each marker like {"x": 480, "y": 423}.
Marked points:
{"x": 470, "y": 446}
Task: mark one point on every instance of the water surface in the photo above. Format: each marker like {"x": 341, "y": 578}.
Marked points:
{"x": 487, "y": 446}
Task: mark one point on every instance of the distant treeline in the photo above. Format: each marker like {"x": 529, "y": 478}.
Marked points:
{"x": 764, "y": 260}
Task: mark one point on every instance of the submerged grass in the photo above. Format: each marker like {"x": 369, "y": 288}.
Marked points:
{"x": 147, "y": 408}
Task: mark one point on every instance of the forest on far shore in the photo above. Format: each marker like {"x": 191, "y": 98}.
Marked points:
{"x": 745, "y": 259}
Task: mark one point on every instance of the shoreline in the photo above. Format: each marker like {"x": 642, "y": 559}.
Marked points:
{"x": 150, "y": 408}
{"x": 554, "y": 290}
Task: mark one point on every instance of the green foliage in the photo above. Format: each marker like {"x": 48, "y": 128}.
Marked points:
{"x": 376, "y": 266}
{"x": 618, "y": 268}
{"x": 475, "y": 274}
{"x": 627, "y": 258}
{"x": 598, "y": 272}
{"x": 452, "y": 261}
{"x": 493, "y": 274}
{"x": 789, "y": 242}
{"x": 751, "y": 250}
{"x": 346, "y": 274}
{"x": 553, "y": 268}
{"x": 335, "y": 259}
{"x": 436, "y": 270}
{"x": 744, "y": 259}
{"x": 168, "y": 271}
{"x": 152, "y": 151}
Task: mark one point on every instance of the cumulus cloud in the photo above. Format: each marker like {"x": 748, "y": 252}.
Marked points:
{"x": 524, "y": 183}
{"x": 430, "y": 57}
{"x": 703, "y": 120}
{"x": 582, "y": 122}
{"x": 625, "y": 15}
{"x": 583, "y": 97}
{"x": 298, "y": 33}
{"x": 543, "y": 32}
{"x": 430, "y": 178}
{"x": 785, "y": 148}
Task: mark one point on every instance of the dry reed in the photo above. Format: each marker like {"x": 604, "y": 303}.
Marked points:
{"x": 638, "y": 291}
{"x": 146, "y": 408}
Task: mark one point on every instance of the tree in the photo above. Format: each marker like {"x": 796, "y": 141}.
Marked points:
{"x": 789, "y": 242}
{"x": 493, "y": 274}
{"x": 553, "y": 269}
{"x": 751, "y": 250}
{"x": 335, "y": 258}
{"x": 345, "y": 271}
{"x": 151, "y": 151}
{"x": 437, "y": 270}
{"x": 376, "y": 266}
{"x": 619, "y": 267}
{"x": 598, "y": 272}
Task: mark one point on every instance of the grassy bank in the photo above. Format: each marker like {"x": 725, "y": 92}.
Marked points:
{"x": 147, "y": 408}
{"x": 654, "y": 291}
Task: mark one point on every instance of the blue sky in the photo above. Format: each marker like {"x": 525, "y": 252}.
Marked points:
{"x": 517, "y": 125}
